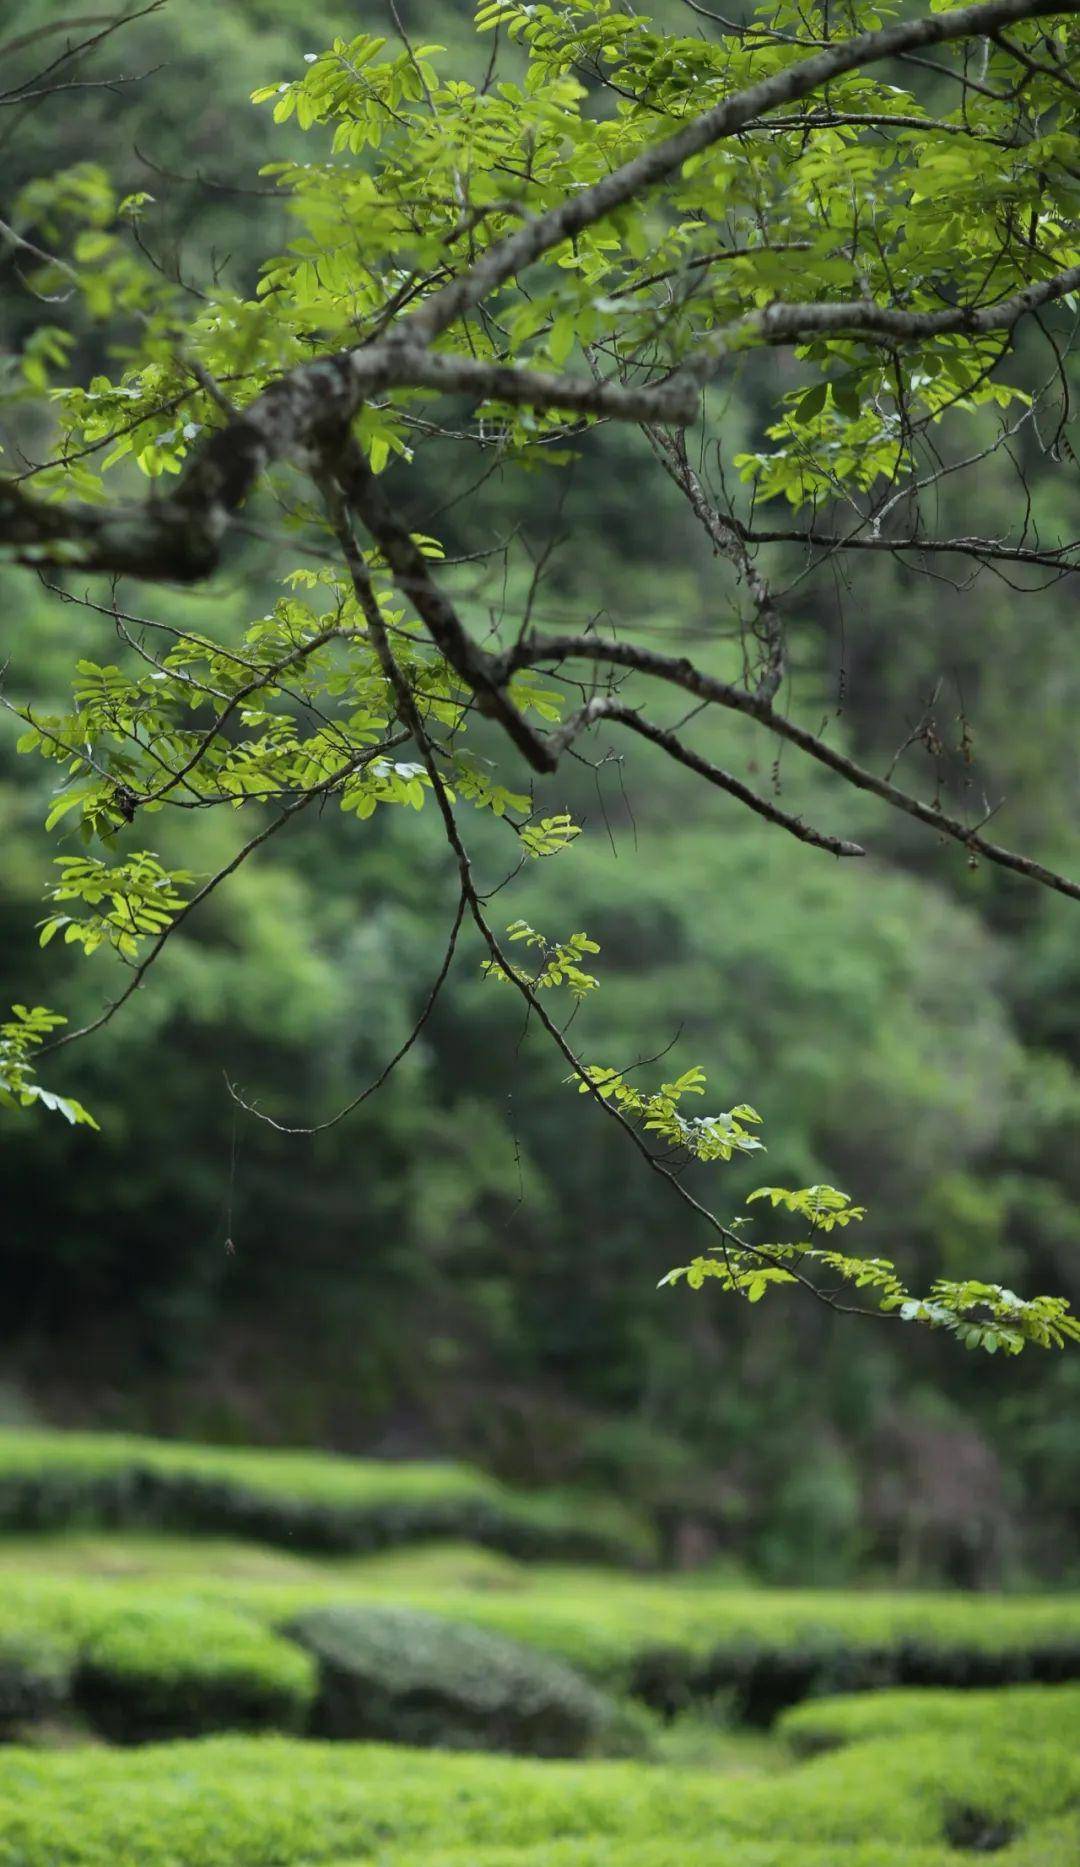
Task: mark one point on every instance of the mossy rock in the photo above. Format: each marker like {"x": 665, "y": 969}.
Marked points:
{"x": 412, "y": 1678}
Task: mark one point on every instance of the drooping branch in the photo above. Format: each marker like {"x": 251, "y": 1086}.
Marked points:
{"x": 680, "y": 672}
{"x": 337, "y": 498}
{"x": 300, "y": 803}
{"x": 605, "y": 707}
{"x": 388, "y": 1068}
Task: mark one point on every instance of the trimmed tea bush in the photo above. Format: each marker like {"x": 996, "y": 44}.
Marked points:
{"x": 140, "y": 1663}
{"x": 673, "y": 1642}
{"x": 760, "y": 1680}
{"x": 302, "y": 1500}
{"x": 179, "y": 1670}
{"x": 416, "y": 1679}
{"x": 830, "y": 1723}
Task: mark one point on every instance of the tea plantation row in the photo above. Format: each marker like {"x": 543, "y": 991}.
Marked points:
{"x": 910, "y": 1780}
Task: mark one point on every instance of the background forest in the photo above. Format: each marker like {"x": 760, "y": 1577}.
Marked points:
{"x": 450, "y": 1270}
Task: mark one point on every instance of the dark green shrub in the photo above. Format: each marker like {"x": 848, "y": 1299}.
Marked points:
{"x": 759, "y": 1682}
{"x": 412, "y": 1678}
{"x": 155, "y": 1673}
{"x": 35, "y": 1679}
{"x": 973, "y": 1831}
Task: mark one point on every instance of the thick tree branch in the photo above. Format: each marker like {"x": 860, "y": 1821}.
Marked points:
{"x": 518, "y": 250}
{"x": 788, "y": 324}
{"x": 410, "y": 569}
{"x": 179, "y": 538}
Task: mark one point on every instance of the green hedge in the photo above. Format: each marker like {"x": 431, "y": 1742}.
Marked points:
{"x": 674, "y": 1641}
{"x": 302, "y": 1500}
{"x": 827, "y": 1724}
{"x": 880, "y": 1801}
{"x": 143, "y": 1663}
{"x": 417, "y": 1679}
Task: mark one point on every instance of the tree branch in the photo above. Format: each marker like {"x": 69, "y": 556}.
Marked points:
{"x": 409, "y": 566}
{"x": 518, "y": 250}
{"x": 787, "y": 324}
{"x": 179, "y": 538}
{"x": 606, "y": 708}
{"x": 681, "y": 672}
{"x": 984, "y": 549}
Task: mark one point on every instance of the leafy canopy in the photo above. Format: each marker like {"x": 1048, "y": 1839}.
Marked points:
{"x": 604, "y": 222}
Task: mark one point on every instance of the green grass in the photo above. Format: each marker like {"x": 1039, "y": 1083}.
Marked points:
{"x": 885, "y": 1799}
{"x": 52, "y": 1480}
